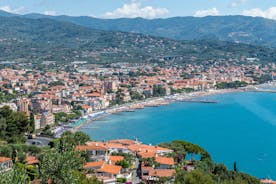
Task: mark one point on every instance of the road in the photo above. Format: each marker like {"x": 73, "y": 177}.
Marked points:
{"x": 135, "y": 177}
{"x": 39, "y": 141}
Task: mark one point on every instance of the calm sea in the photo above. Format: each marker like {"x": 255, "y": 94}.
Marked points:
{"x": 241, "y": 127}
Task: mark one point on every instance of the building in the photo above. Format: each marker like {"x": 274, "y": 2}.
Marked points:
{"x": 111, "y": 85}
{"x": 151, "y": 175}
{"x": 164, "y": 162}
{"x": 267, "y": 181}
{"x": 107, "y": 173}
{"x": 5, "y": 164}
{"x": 37, "y": 119}
{"x": 96, "y": 151}
{"x": 23, "y": 105}
{"x": 47, "y": 118}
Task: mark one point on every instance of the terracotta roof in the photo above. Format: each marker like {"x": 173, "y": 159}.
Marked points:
{"x": 159, "y": 172}
{"x": 93, "y": 95}
{"x": 90, "y": 147}
{"x": 32, "y": 160}
{"x": 123, "y": 141}
{"x": 164, "y": 160}
{"x": 116, "y": 145}
{"x": 162, "y": 172}
{"x": 115, "y": 159}
{"x": 108, "y": 168}
{"x": 88, "y": 165}
{"x": 267, "y": 181}
{"x": 146, "y": 148}
{"x": 4, "y": 159}
{"x": 147, "y": 154}
{"x": 85, "y": 107}
{"x": 94, "y": 143}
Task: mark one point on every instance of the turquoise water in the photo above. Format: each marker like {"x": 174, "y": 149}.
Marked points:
{"x": 78, "y": 122}
{"x": 240, "y": 127}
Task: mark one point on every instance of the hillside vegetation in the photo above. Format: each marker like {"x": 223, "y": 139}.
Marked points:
{"x": 243, "y": 29}
{"x": 23, "y": 39}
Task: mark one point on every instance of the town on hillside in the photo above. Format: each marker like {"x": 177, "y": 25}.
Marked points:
{"x": 39, "y": 105}
{"x": 74, "y": 158}
{"x": 55, "y": 94}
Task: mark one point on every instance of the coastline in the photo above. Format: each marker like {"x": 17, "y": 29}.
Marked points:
{"x": 155, "y": 102}
{"x": 160, "y": 101}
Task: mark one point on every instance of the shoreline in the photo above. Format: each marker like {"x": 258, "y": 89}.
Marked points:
{"x": 160, "y": 101}
{"x": 155, "y": 102}
{"x": 175, "y": 99}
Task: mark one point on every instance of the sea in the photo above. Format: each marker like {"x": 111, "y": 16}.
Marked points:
{"x": 240, "y": 127}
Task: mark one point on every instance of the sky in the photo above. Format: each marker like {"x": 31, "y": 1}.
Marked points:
{"x": 148, "y": 9}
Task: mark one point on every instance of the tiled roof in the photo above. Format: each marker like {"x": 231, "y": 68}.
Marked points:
{"x": 116, "y": 145}
{"x": 90, "y": 147}
{"x": 123, "y": 141}
{"x": 164, "y": 160}
{"x": 159, "y": 172}
{"x": 108, "y": 168}
{"x": 32, "y": 160}
{"x": 267, "y": 181}
{"x": 146, "y": 148}
{"x": 88, "y": 165}
{"x": 115, "y": 159}
{"x": 147, "y": 154}
{"x": 4, "y": 159}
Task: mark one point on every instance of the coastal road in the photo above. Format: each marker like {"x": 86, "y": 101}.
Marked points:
{"x": 39, "y": 141}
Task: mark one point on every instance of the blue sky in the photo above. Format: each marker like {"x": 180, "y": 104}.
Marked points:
{"x": 143, "y": 8}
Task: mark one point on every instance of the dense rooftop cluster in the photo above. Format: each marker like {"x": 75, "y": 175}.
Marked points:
{"x": 56, "y": 96}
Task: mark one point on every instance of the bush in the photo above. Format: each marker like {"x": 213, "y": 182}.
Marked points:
{"x": 121, "y": 180}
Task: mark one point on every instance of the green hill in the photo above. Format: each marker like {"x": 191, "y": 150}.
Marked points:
{"x": 251, "y": 30}
{"x": 23, "y": 39}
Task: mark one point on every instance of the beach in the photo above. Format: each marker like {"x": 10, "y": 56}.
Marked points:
{"x": 239, "y": 127}
{"x": 156, "y": 102}
{"x": 152, "y": 102}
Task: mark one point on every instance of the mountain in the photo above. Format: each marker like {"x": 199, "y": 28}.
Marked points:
{"x": 7, "y": 14}
{"x": 251, "y": 30}
{"x": 24, "y": 39}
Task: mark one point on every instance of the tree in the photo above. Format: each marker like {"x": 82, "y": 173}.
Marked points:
{"x": 81, "y": 138}
{"x": 13, "y": 125}
{"x": 15, "y": 176}
{"x": 122, "y": 163}
{"x": 198, "y": 177}
{"x": 69, "y": 140}
{"x": 158, "y": 90}
{"x": 235, "y": 167}
{"x": 32, "y": 123}
{"x": 121, "y": 180}
{"x": 3, "y": 127}
{"x": 47, "y": 131}
{"x": 60, "y": 167}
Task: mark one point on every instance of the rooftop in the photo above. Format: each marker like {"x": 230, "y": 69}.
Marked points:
{"x": 108, "y": 168}
{"x": 4, "y": 159}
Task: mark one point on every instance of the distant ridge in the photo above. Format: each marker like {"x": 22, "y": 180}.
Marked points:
{"x": 250, "y": 30}
{"x": 24, "y": 39}
{"x": 7, "y": 14}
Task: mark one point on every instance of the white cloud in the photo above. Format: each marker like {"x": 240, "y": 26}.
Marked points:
{"x": 236, "y": 3}
{"x": 135, "y": 9}
{"x": 209, "y": 12}
{"x": 269, "y": 13}
{"x": 11, "y": 10}
{"x": 50, "y": 12}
